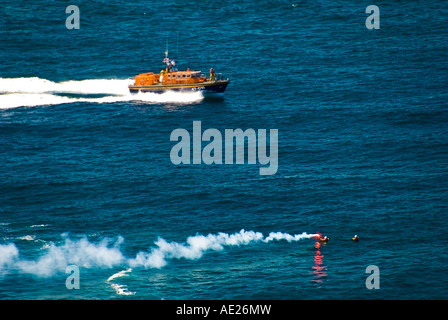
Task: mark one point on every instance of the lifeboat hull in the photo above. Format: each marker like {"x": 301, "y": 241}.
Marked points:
{"x": 209, "y": 87}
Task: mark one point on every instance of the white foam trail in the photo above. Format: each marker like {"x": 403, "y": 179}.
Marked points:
{"x": 28, "y": 237}
{"x": 123, "y": 273}
{"x": 121, "y": 289}
{"x": 15, "y": 100}
{"x": 168, "y": 97}
{"x": 107, "y": 254}
{"x": 89, "y": 86}
{"x": 32, "y": 92}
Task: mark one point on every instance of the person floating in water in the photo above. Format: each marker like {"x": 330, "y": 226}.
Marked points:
{"x": 355, "y": 238}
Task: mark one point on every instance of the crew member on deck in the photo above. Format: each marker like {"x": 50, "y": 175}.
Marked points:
{"x": 212, "y": 74}
{"x": 161, "y": 76}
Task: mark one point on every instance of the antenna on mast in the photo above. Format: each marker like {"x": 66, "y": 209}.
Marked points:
{"x": 166, "y": 48}
{"x": 177, "y": 43}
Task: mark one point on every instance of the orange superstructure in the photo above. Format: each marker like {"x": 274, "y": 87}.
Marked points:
{"x": 172, "y": 79}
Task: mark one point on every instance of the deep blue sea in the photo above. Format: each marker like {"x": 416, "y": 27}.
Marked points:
{"x": 87, "y": 183}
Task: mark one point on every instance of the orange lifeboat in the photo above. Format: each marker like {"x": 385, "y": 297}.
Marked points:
{"x": 171, "y": 79}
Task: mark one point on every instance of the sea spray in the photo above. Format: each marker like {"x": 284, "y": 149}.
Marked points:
{"x": 33, "y": 92}
{"x": 88, "y": 86}
{"x": 122, "y": 273}
{"x": 121, "y": 289}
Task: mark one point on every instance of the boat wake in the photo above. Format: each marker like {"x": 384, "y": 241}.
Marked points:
{"x": 32, "y": 92}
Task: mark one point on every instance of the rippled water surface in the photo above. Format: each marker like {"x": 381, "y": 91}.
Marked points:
{"x": 87, "y": 179}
